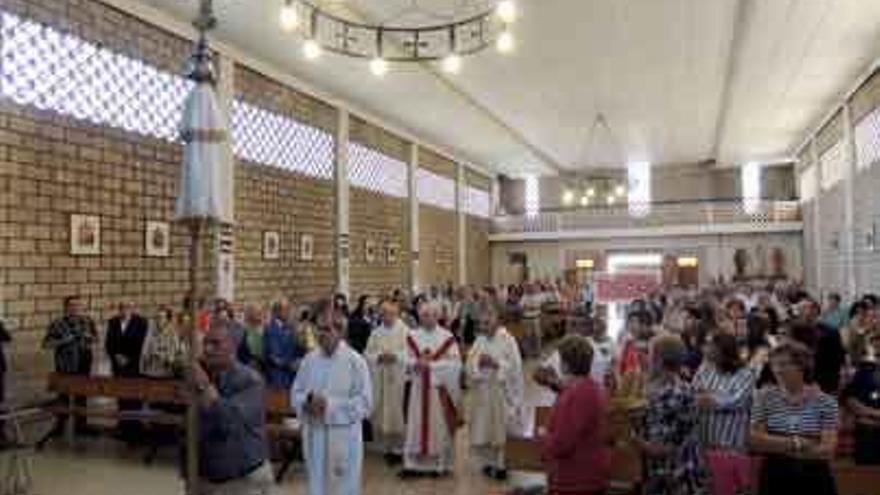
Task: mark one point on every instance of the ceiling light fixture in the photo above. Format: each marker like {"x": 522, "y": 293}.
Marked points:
{"x": 585, "y": 201}
{"x": 619, "y": 190}
{"x": 289, "y": 17}
{"x": 379, "y": 66}
{"x": 452, "y": 64}
{"x": 567, "y": 197}
{"x": 591, "y": 192}
{"x": 311, "y": 49}
{"x": 610, "y": 200}
{"x": 412, "y": 34}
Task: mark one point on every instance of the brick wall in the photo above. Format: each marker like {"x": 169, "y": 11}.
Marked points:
{"x": 283, "y": 201}
{"x": 478, "y": 255}
{"x": 53, "y": 166}
{"x": 438, "y": 229}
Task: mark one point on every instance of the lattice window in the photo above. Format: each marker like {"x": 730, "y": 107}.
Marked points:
{"x": 51, "y": 70}
{"x": 639, "y": 194}
{"x": 435, "y": 189}
{"x": 808, "y": 183}
{"x": 832, "y": 165}
{"x": 533, "y": 196}
{"x": 370, "y": 169}
{"x": 269, "y": 138}
{"x": 477, "y": 202}
{"x": 867, "y": 135}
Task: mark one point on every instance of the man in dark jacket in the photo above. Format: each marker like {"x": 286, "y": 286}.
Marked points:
{"x": 124, "y": 342}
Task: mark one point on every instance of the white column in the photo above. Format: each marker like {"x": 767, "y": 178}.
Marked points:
{"x": 413, "y": 218}
{"x": 461, "y": 221}
{"x": 224, "y": 247}
{"x": 849, "y": 228}
{"x": 340, "y": 177}
{"x": 817, "y": 217}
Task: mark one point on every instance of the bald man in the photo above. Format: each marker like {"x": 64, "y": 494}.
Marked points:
{"x": 233, "y": 454}
{"x": 385, "y": 354}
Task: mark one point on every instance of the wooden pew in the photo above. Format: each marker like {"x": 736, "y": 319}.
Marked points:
{"x": 152, "y": 392}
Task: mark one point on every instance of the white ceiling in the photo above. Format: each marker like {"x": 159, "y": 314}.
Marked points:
{"x": 678, "y": 80}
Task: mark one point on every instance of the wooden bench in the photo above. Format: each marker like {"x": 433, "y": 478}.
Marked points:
{"x": 151, "y": 393}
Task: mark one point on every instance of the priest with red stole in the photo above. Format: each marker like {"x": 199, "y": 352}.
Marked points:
{"x": 432, "y": 400}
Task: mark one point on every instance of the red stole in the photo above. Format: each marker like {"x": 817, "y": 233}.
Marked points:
{"x": 450, "y": 413}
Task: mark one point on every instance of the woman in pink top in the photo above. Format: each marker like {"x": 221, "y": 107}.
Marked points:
{"x": 576, "y": 451}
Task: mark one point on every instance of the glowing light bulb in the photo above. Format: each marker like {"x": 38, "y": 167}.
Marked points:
{"x": 619, "y": 190}
{"x": 311, "y": 49}
{"x": 567, "y": 197}
{"x": 452, "y": 64}
{"x": 506, "y": 11}
{"x": 289, "y": 18}
{"x": 591, "y": 192}
{"x": 378, "y": 66}
{"x": 504, "y": 43}
{"x": 610, "y": 200}
{"x": 585, "y": 201}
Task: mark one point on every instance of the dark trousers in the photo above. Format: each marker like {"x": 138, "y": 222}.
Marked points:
{"x": 781, "y": 474}
{"x": 867, "y": 445}
{"x": 81, "y": 421}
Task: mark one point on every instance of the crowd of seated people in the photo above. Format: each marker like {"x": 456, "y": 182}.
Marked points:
{"x": 722, "y": 375}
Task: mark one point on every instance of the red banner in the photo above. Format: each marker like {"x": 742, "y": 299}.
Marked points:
{"x": 625, "y": 286}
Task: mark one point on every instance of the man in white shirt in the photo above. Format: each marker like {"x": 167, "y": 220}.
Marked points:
{"x": 433, "y": 366}
{"x": 386, "y": 354}
{"x": 495, "y": 370}
{"x": 332, "y": 395}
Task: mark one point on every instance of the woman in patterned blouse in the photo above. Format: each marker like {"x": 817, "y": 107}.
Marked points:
{"x": 795, "y": 426}
{"x": 669, "y": 440}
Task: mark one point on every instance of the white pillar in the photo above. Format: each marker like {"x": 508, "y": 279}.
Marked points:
{"x": 224, "y": 247}
{"x": 849, "y": 228}
{"x": 461, "y": 221}
{"x": 413, "y": 218}
{"x": 340, "y": 176}
{"x": 817, "y": 217}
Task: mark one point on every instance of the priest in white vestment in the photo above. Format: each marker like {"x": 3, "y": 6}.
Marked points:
{"x": 386, "y": 356}
{"x": 495, "y": 372}
{"x": 433, "y": 397}
{"x": 332, "y": 396}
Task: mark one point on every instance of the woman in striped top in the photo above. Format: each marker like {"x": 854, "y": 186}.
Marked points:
{"x": 725, "y": 385}
{"x": 795, "y": 426}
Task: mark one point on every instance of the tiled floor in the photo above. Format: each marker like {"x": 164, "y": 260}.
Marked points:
{"x": 105, "y": 467}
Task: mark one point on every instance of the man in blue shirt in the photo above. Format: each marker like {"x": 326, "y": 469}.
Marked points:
{"x": 282, "y": 347}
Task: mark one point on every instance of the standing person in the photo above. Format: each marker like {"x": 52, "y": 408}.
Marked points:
{"x": 495, "y": 370}
{"x": 670, "y": 439}
{"x": 253, "y": 337}
{"x": 5, "y": 339}
{"x": 433, "y": 365}
{"x": 830, "y": 354}
{"x": 163, "y": 355}
{"x": 604, "y": 353}
{"x": 576, "y": 450}
{"x": 124, "y": 343}
{"x": 854, "y": 335}
{"x": 835, "y": 314}
{"x": 531, "y": 304}
{"x": 862, "y": 398}
{"x": 333, "y": 395}
{"x": 233, "y": 452}
{"x": 795, "y": 427}
{"x": 282, "y": 348}
{"x": 386, "y": 355}
{"x": 725, "y": 385}
{"x": 587, "y": 295}
{"x": 71, "y": 337}
{"x": 359, "y": 326}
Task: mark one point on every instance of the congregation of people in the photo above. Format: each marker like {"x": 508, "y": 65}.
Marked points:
{"x": 734, "y": 388}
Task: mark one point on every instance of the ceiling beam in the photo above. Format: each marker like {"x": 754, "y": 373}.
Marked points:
{"x": 740, "y": 22}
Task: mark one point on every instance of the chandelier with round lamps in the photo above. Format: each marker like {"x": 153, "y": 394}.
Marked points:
{"x": 472, "y": 27}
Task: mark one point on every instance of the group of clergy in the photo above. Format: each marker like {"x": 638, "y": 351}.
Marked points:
{"x": 408, "y": 384}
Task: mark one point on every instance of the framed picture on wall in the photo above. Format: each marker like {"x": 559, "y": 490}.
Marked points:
{"x": 85, "y": 235}
{"x": 271, "y": 245}
{"x": 306, "y": 247}
{"x": 391, "y": 252}
{"x": 370, "y": 251}
{"x": 157, "y": 236}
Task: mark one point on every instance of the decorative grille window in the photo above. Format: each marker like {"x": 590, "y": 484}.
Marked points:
{"x": 832, "y": 166}
{"x": 639, "y": 190}
{"x": 46, "y": 68}
{"x": 375, "y": 171}
{"x": 269, "y": 138}
{"x": 867, "y": 135}
{"x": 533, "y": 196}
{"x": 477, "y": 202}
{"x": 435, "y": 189}
{"x": 808, "y": 183}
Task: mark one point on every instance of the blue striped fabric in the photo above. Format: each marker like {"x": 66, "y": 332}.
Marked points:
{"x": 727, "y": 423}
{"x": 818, "y": 412}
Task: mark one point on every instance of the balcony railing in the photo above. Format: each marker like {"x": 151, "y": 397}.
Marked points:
{"x": 652, "y": 215}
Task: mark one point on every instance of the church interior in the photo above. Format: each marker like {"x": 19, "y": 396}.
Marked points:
{"x": 344, "y": 247}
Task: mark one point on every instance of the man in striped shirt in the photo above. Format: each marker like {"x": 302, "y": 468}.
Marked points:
{"x": 725, "y": 386}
